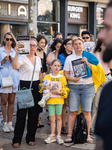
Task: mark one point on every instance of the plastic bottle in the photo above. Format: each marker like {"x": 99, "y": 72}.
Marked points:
{"x": 1, "y": 118}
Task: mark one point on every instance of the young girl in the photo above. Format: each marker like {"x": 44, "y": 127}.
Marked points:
{"x": 59, "y": 91}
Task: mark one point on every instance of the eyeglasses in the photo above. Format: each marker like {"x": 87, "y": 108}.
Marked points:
{"x": 86, "y": 37}
{"x": 69, "y": 44}
{"x": 34, "y": 46}
{"x": 7, "y": 39}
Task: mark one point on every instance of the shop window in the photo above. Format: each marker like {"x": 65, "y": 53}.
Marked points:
{"x": 49, "y": 29}
{"x": 48, "y": 10}
{"x": 99, "y": 15}
{"x": 82, "y": 28}
{"x": 99, "y": 19}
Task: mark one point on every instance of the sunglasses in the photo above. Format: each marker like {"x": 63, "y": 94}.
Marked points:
{"x": 7, "y": 39}
{"x": 86, "y": 37}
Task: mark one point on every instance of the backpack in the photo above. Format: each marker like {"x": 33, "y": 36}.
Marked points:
{"x": 80, "y": 132}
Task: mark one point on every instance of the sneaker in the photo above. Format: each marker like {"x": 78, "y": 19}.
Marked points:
{"x": 50, "y": 139}
{"x": 5, "y": 128}
{"x": 59, "y": 140}
{"x": 9, "y": 125}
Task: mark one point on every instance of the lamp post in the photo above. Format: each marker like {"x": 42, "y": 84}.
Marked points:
{"x": 30, "y": 18}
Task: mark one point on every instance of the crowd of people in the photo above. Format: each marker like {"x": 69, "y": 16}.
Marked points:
{"x": 66, "y": 88}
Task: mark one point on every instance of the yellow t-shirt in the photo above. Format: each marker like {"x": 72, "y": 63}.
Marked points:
{"x": 64, "y": 89}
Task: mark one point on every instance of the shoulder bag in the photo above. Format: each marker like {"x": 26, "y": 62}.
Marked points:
{"x": 7, "y": 81}
{"x": 24, "y": 96}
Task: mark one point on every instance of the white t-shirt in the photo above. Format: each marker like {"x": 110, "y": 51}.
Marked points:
{"x": 68, "y": 67}
{"x": 26, "y": 69}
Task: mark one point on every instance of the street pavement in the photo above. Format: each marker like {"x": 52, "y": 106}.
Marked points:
{"x": 41, "y": 134}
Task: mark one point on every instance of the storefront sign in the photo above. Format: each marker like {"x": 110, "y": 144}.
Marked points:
{"x": 13, "y": 10}
{"x": 77, "y": 14}
{"x": 21, "y": 10}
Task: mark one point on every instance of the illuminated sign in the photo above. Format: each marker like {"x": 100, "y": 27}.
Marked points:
{"x": 21, "y": 10}
{"x": 75, "y": 11}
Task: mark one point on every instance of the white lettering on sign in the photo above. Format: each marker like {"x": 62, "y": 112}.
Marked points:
{"x": 75, "y": 15}
{"x": 9, "y": 9}
{"x": 75, "y": 8}
{"x": 21, "y": 10}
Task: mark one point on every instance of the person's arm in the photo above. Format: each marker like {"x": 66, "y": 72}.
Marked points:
{"x": 68, "y": 77}
{"x": 49, "y": 59}
{"x": 6, "y": 58}
{"x": 84, "y": 59}
{"x": 16, "y": 64}
{"x": 40, "y": 76}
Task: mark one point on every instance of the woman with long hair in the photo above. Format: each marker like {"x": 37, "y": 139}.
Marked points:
{"x": 55, "y": 48}
{"x": 65, "y": 50}
{"x": 41, "y": 43}
{"x": 7, "y": 54}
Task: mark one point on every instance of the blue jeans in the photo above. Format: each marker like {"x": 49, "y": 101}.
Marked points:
{"x": 81, "y": 93}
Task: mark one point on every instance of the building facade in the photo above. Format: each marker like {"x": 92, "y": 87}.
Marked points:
{"x": 13, "y": 17}
{"x": 70, "y": 17}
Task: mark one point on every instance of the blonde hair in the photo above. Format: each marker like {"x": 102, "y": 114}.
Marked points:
{"x": 54, "y": 61}
{"x": 13, "y": 42}
{"x": 77, "y": 38}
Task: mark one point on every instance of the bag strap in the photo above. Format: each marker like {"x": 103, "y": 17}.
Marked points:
{"x": 32, "y": 75}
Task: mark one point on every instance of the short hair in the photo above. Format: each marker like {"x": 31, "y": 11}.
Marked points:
{"x": 85, "y": 32}
{"x": 77, "y": 38}
{"x": 14, "y": 42}
{"x": 33, "y": 39}
{"x": 55, "y": 43}
{"x": 41, "y": 36}
{"x": 54, "y": 61}
{"x": 58, "y": 33}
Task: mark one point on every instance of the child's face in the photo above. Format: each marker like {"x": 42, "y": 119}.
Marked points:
{"x": 56, "y": 67}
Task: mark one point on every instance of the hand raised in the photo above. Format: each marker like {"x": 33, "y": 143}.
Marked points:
{"x": 6, "y": 58}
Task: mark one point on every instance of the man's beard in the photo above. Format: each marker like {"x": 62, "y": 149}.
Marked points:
{"x": 107, "y": 56}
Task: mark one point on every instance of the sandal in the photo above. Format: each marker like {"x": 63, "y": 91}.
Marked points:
{"x": 16, "y": 145}
{"x": 63, "y": 130}
{"x": 68, "y": 139}
{"x": 39, "y": 125}
{"x": 31, "y": 143}
{"x": 91, "y": 131}
{"x": 89, "y": 139}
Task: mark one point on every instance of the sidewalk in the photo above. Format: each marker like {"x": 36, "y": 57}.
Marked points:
{"x": 41, "y": 134}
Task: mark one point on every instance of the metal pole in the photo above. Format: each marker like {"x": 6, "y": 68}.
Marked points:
{"x": 30, "y": 18}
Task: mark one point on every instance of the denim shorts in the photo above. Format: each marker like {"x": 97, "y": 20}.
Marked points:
{"x": 82, "y": 93}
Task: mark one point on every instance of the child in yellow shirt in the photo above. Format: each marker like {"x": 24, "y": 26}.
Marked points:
{"x": 59, "y": 90}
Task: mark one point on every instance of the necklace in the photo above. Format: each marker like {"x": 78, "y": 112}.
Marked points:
{"x": 39, "y": 49}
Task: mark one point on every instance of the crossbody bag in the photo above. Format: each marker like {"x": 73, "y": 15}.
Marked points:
{"x": 24, "y": 96}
